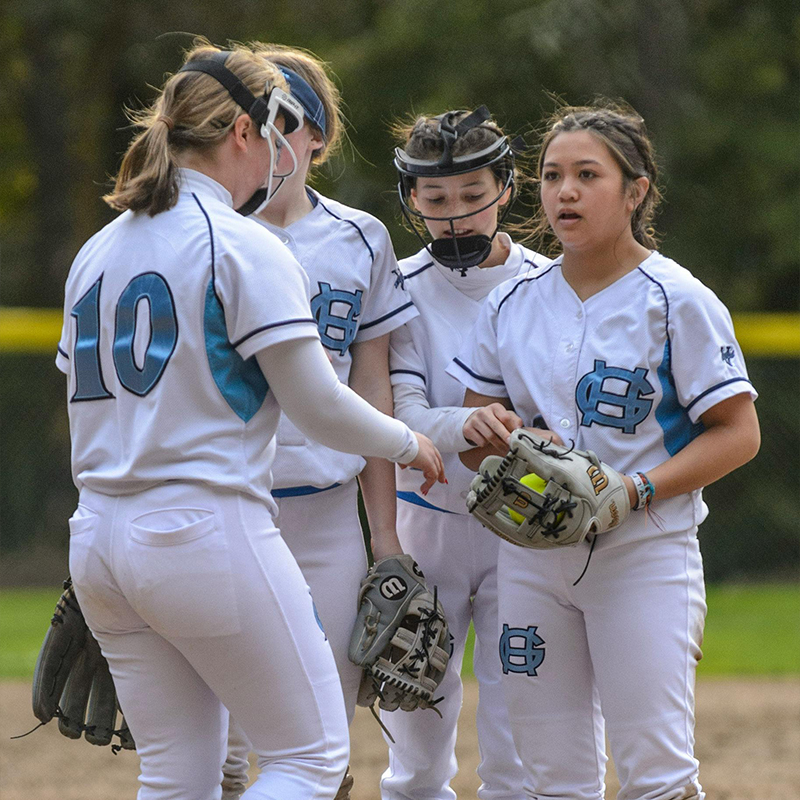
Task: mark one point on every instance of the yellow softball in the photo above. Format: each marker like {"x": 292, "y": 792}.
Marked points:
{"x": 532, "y": 481}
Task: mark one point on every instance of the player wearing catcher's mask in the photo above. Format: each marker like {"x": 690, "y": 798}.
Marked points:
{"x": 624, "y": 353}
{"x": 457, "y": 178}
{"x": 357, "y": 299}
{"x": 186, "y": 328}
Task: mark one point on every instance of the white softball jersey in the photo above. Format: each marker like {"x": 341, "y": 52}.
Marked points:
{"x": 448, "y": 304}
{"x": 143, "y": 297}
{"x": 357, "y": 294}
{"x": 626, "y": 373}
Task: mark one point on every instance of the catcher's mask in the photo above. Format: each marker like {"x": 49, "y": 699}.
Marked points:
{"x": 263, "y": 111}
{"x": 457, "y": 252}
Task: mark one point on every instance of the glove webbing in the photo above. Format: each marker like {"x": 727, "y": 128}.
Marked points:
{"x": 422, "y": 653}
{"x": 550, "y": 525}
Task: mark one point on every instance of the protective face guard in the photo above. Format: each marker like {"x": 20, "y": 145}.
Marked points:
{"x": 263, "y": 111}
{"x": 457, "y": 253}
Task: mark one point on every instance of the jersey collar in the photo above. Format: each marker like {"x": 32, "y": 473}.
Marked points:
{"x": 477, "y": 283}
{"x": 199, "y": 183}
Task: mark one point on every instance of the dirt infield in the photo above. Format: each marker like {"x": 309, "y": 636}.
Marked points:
{"x": 748, "y": 743}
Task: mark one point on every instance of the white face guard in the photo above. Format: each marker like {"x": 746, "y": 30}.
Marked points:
{"x": 263, "y": 111}
{"x": 283, "y": 103}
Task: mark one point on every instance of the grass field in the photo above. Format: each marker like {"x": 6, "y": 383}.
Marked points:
{"x": 751, "y": 630}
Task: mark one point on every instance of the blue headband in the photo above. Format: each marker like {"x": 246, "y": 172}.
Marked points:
{"x": 308, "y": 98}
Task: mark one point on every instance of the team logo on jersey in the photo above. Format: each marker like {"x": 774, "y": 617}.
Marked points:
{"x": 634, "y": 406}
{"x": 727, "y": 354}
{"x": 337, "y": 330}
{"x": 393, "y": 588}
{"x": 399, "y": 279}
{"x": 521, "y": 650}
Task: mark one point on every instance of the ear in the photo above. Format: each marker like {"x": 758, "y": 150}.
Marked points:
{"x": 243, "y": 131}
{"x": 413, "y": 194}
{"x": 316, "y": 140}
{"x": 638, "y": 191}
{"x": 505, "y": 197}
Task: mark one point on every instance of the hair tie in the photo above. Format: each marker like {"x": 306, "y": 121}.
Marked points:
{"x": 166, "y": 120}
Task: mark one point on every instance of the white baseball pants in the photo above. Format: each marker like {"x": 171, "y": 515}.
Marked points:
{"x": 618, "y": 652}
{"x": 459, "y": 556}
{"x": 198, "y": 605}
{"x": 324, "y": 534}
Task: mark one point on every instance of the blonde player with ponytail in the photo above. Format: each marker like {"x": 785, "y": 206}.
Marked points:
{"x": 186, "y": 328}
{"x": 357, "y": 299}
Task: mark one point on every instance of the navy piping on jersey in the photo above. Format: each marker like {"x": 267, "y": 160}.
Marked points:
{"x": 214, "y": 285}
{"x": 301, "y": 491}
{"x": 475, "y": 374}
{"x": 407, "y": 372}
{"x": 386, "y": 316}
{"x": 349, "y": 222}
{"x": 213, "y": 249}
{"x": 241, "y": 383}
{"x": 417, "y": 271}
{"x": 273, "y": 325}
{"x": 58, "y": 347}
{"x": 416, "y": 500}
{"x": 516, "y": 286}
{"x": 714, "y": 388}
{"x": 678, "y": 428}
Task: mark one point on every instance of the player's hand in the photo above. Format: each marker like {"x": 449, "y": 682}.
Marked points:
{"x": 491, "y": 425}
{"x": 472, "y": 459}
{"x": 429, "y": 460}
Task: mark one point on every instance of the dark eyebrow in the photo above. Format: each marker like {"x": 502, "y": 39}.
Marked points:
{"x": 577, "y": 163}
{"x": 439, "y": 185}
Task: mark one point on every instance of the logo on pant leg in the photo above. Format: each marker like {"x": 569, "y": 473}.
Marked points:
{"x": 520, "y": 650}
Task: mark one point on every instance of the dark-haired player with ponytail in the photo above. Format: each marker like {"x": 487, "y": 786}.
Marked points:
{"x": 623, "y": 352}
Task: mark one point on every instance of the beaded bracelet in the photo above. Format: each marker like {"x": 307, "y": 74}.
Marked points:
{"x": 645, "y": 491}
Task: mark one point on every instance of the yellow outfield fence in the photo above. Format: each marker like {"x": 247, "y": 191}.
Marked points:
{"x": 37, "y": 330}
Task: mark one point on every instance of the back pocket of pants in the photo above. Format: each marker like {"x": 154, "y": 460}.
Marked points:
{"x": 181, "y": 564}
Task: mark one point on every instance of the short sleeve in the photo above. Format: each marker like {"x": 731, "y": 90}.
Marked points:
{"x": 405, "y": 363}
{"x": 264, "y": 294}
{"x": 389, "y": 304}
{"x": 706, "y": 360}
{"x": 477, "y": 366}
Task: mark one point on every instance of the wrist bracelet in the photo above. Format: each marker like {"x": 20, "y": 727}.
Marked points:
{"x": 645, "y": 491}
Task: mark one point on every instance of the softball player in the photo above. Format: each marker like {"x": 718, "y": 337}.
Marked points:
{"x": 180, "y": 571}
{"x": 457, "y": 173}
{"x": 357, "y": 299}
{"x": 623, "y": 352}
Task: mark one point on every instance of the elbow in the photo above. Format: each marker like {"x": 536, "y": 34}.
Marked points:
{"x": 753, "y": 444}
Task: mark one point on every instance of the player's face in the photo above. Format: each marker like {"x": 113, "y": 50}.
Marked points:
{"x": 583, "y": 193}
{"x": 457, "y": 195}
{"x": 304, "y": 142}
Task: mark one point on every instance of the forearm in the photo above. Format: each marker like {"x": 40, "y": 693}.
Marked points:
{"x": 731, "y": 439}
{"x": 369, "y": 377}
{"x": 310, "y": 394}
{"x": 443, "y": 426}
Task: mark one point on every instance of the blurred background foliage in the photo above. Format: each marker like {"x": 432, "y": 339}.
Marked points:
{"x": 716, "y": 80}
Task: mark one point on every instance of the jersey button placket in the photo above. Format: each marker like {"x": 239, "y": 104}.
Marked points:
{"x": 564, "y": 407}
